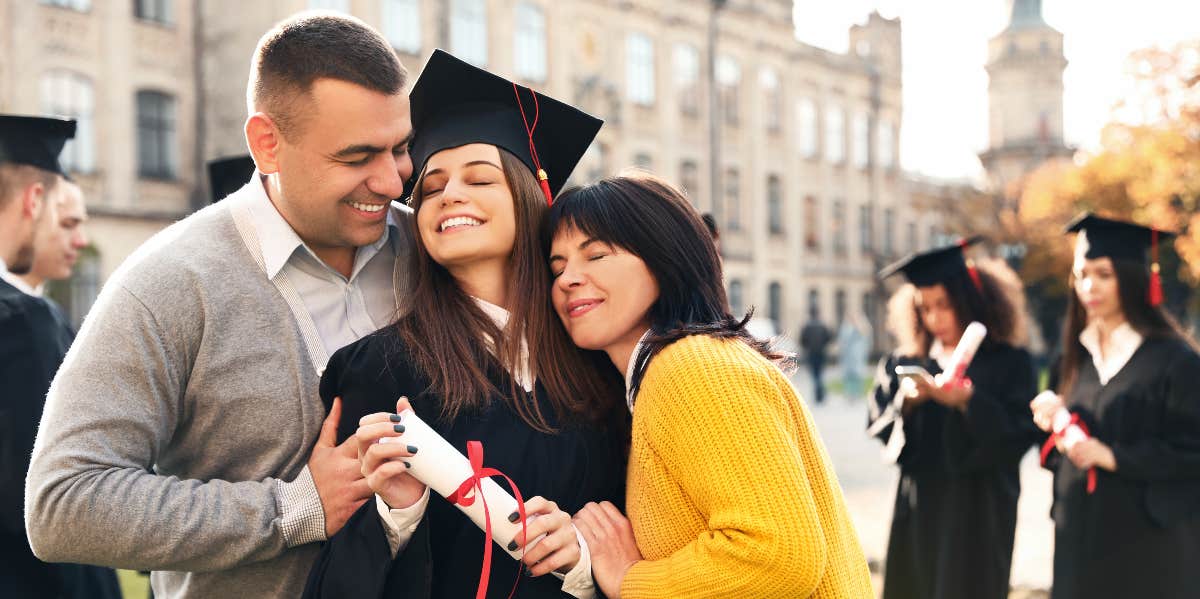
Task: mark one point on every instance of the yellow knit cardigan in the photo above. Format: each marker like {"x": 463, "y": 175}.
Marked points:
{"x": 730, "y": 490}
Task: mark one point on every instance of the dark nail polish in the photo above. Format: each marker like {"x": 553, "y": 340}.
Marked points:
{"x": 394, "y": 418}
{"x": 513, "y": 517}
{"x": 412, "y": 449}
{"x": 528, "y": 572}
{"x": 398, "y": 428}
{"x": 407, "y": 465}
{"x": 512, "y": 545}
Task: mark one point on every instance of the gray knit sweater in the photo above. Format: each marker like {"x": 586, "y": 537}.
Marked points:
{"x": 176, "y": 434}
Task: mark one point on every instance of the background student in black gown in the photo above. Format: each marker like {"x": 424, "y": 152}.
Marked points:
{"x": 958, "y": 447}
{"x": 481, "y": 356}
{"x": 1132, "y": 376}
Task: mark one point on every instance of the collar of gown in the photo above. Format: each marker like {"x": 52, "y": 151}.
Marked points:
{"x": 500, "y": 317}
{"x": 1123, "y": 341}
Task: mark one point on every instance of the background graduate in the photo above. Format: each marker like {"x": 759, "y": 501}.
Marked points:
{"x": 1132, "y": 377}
{"x": 481, "y": 356}
{"x": 958, "y": 447}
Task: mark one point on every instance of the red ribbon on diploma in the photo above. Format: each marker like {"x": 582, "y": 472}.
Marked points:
{"x": 1053, "y": 440}
{"x": 465, "y": 496}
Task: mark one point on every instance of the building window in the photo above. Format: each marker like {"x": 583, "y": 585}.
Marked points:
{"x": 806, "y": 127}
{"x": 402, "y": 24}
{"x": 912, "y": 237}
{"x": 687, "y": 78}
{"x": 868, "y": 310}
{"x": 835, "y": 135}
{"x": 639, "y": 69}
{"x": 812, "y": 224}
{"x": 69, "y": 94}
{"x": 596, "y": 158}
{"x": 157, "y": 152}
{"x": 861, "y": 150}
{"x": 866, "y": 243}
{"x": 158, "y": 11}
{"x": 643, "y": 161}
{"x": 889, "y": 224}
{"x": 84, "y": 285}
{"x": 772, "y": 99}
{"x": 530, "y": 50}
{"x": 79, "y": 5}
{"x": 814, "y": 301}
{"x": 729, "y": 80}
{"x": 736, "y": 301}
{"x": 468, "y": 31}
{"x": 839, "y": 306}
{"x": 886, "y": 148}
{"x": 733, "y": 201}
{"x": 775, "y": 305}
{"x": 775, "y": 205}
{"x": 839, "y": 227}
{"x": 689, "y": 179}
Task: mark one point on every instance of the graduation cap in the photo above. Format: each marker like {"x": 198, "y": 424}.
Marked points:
{"x": 1107, "y": 238}
{"x": 938, "y": 265}
{"x": 227, "y": 175}
{"x": 35, "y": 141}
{"x": 455, "y": 103}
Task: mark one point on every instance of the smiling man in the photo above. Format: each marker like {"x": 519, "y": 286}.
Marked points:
{"x": 184, "y": 433}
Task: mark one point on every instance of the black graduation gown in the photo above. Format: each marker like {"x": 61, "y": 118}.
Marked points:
{"x": 444, "y": 557}
{"x": 1138, "y": 534}
{"x": 33, "y": 341}
{"x": 956, "y": 504}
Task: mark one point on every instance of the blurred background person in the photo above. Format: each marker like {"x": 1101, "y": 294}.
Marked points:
{"x": 853, "y": 344}
{"x": 58, "y": 246}
{"x": 814, "y": 340}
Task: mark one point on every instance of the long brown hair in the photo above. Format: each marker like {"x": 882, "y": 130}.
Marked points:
{"x": 446, "y": 333}
{"x": 1149, "y": 321}
{"x": 999, "y": 303}
{"x": 651, "y": 219}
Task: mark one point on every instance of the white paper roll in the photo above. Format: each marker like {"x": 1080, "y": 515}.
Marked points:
{"x": 443, "y": 468}
{"x": 964, "y": 352}
{"x": 1061, "y": 422}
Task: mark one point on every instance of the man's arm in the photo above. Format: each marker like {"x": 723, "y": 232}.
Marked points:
{"x": 111, "y": 413}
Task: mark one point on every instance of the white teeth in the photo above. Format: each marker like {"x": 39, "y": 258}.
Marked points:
{"x": 368, "y": 207}
{"x": 460, "y": 221}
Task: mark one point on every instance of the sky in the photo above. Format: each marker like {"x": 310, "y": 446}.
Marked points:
{"x": 944, "y": 47}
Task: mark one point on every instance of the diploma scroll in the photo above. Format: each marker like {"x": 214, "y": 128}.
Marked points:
{"x": 443, "y": 468}
{"x": 956, "y": 371}
{"x": 1065, "y": 427}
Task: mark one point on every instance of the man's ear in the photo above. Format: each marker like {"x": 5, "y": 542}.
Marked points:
{"x": 263, "y": 138}
{"x": 33, "y": 200}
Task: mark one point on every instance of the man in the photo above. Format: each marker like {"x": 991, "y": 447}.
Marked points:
{"x": 184, "y": 433}
{"x": 58, "y": 245}
{"x": 814, "y": 340}
{"x": 33, "y": 341}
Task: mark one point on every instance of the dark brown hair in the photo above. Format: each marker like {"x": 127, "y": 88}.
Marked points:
{"x": 1150, "y": 322}
{"x": 649, "y": 218}
{"x": 999, "y": 304}
{"x": 317, "y": 45}
{"x": 446, "y": 333}
{"x": 14, "y": 178}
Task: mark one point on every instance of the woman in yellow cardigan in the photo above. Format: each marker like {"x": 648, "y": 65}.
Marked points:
{"x": 730, "y": 490}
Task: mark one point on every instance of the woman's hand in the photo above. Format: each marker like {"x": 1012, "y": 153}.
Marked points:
{"x": 558, "y": 549}
{"x": 953, "y": 395}
{"x": 1044, "y": 407}
{"x": 610, "y": 540}
{"x": 1092, "y": 452}
{"x": 382, "y": 454}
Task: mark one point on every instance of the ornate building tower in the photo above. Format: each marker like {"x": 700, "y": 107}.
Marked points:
{"x": 1025, "y": 96}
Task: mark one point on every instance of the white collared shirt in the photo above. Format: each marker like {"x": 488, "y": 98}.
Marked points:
{"x": 631, "y": 368}
{"x": 343, "y": 309}
{"x": 18, "y": 282}
{"x": 400, "y": 524}
{"x": 1123, "y": 341}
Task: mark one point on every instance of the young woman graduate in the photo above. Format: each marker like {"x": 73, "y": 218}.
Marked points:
{"x": 1127, "y": 499}
{"x": 958, "y": 445}
{"x": 480, "y": 356}
{"x": 730, "y": 492}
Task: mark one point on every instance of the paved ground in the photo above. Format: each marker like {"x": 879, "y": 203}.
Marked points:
{"x": 870, "y": 488}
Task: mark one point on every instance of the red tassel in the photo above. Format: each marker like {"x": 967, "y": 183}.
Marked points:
{"x": 1154, "y": 294}
{"x": 544, "y": 183}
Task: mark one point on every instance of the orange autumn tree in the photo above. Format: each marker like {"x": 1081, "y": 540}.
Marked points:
{"x": 1147, "y": 169}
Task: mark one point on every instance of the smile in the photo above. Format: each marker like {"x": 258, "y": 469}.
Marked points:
{"x": 581, "y": 307}
{"x": 458, "y": 222}
{"x": 368, "y": 207}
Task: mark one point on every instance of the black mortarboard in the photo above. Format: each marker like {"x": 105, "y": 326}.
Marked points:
{"x": 454, "y": 103}
{"x": 36, "y": 141}
{"x": 229, "y": 174}
{"x": 935, "y": 266}
{"x": 1104, "y": 237}
{"x": 1113, "y": 238}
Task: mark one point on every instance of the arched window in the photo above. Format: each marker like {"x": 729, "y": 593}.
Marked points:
{"x": 69, "y": 94}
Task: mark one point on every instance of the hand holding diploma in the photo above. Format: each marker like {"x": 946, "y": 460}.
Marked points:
{"x": 1070, "y": 436}
{"x": 385, "y": 457}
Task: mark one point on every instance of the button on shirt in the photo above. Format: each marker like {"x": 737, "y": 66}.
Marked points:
{"x": 343, "y": 309}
